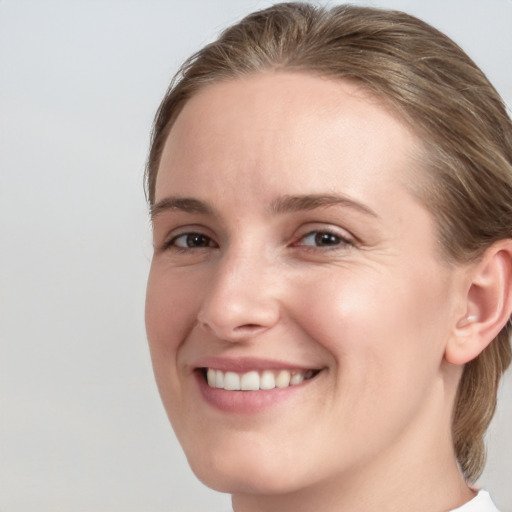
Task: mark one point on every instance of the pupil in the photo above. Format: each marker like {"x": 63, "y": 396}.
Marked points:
{"x": 197, "y": 241}
{"x": 326, "y": 239}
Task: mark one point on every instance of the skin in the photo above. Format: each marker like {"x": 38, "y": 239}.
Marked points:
{"x": 374, "y": 310}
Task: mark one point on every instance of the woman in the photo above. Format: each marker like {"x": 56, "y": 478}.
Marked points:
{"x": 329, "y": 297}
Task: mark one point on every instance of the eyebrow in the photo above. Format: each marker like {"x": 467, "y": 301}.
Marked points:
{"x": 284, "y": 204}
{"x": 184, "y": 204}
{"x": 294, "y": 203}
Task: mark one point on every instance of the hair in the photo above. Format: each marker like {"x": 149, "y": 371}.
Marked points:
{"x": 434, "y": 87}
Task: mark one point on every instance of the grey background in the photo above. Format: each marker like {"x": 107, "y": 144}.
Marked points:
{"x": 81, "y": 425}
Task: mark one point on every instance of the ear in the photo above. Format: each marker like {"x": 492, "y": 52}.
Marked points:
{"x": 488, "y": 304}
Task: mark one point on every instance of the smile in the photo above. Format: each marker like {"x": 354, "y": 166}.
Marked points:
{"x": 252, "y": 385}
{"x": 255, "y": 380}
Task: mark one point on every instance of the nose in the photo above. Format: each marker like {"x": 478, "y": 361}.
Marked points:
{"x": 242, "y": 298}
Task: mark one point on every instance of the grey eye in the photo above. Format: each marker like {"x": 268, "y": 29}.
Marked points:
{"x": 192, "y": 240}
{"x": 321, "y": 239}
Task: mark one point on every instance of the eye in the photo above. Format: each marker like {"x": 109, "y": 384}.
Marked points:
{"x": 323, "y": 239}
{"x": 191, "y": 241}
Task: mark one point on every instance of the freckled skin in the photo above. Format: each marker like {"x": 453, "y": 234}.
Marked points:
{"x": 374, "y": 309}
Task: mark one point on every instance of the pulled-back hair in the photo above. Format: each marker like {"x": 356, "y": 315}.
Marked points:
{"x": 437, "y": 90}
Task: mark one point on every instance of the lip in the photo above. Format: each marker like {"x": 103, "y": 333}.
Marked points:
{"x": 247, "y": 402}
{"x": 247, "y": 364}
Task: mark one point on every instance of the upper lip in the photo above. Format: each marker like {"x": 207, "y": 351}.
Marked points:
{"x": 246, "y": 364}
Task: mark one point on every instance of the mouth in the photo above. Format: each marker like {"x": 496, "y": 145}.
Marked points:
{"x": 249, "y": 385}
{"x": 254, "y": 380}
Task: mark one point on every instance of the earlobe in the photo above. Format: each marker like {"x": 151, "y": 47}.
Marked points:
{"x": 488, "y": 304}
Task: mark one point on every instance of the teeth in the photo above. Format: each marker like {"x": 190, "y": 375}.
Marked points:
{"x": 250, "y": 381}
{"x": 253, "y": 380}
{"x": 267, "y": 380}
{"x": 219, "y": 379}
{"x": 296, "y": 378}
{"x": 283, "y": 379}
{"x": 231, "y": 381}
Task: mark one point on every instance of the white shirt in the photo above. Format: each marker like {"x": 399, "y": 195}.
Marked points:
{"x": 480, "y": 503}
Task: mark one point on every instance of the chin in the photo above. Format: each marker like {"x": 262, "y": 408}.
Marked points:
{"x": 234, "y": 473}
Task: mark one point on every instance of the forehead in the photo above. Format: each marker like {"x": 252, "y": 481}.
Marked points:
{"x": 285, "y": 125}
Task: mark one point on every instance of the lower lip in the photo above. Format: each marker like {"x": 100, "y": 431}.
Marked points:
{"x": 246, "y": 402}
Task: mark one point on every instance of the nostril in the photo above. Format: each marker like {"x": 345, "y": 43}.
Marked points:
{"x": 248, "y": 329}
{"x": 228, "y": 333}
{"x": 234, "y": 323}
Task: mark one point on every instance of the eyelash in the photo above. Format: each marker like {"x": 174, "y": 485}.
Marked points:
{"x": 340, "y": 240}
{"x": 337, "y": 239}
{"x": 171, "y": 244}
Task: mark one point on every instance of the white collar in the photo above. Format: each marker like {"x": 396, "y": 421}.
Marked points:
{"x": 480, "y": 503}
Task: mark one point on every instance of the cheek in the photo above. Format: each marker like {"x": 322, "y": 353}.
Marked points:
{"x": 385, "y": 334}
{"x": 171, "y": 313}
{"x": 171, "y": 307}
{"x": 391, "y": 325}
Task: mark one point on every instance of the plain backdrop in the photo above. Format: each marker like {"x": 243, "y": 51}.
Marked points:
{"x": 81, "y": 425}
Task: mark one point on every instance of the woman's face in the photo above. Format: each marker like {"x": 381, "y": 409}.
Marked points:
{"x": 291, "y": 256}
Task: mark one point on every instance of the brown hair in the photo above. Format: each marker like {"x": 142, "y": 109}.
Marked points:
{"x": 435, "y": 88}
